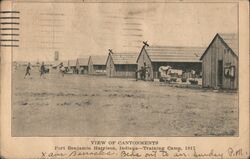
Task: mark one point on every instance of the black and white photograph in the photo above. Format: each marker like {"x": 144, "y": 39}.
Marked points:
{"x": 124, "y": 69}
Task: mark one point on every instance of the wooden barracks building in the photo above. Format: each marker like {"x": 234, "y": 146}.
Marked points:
{"x": 183, "y": 58}
{"x": 97, "y": 65}
{"x": 121, "y": 65}
{"x": 82, "y": 65}
{"x": 220, "y": 62}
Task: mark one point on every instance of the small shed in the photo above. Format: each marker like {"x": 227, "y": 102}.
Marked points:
{"x": 72, "y": 66}
{"x": 121, "y": 65}
{"x": 220, "y": 62}
{"x": 183, "y": 58}
{"x": 97, "y": 65}
{"x": 82, "y": 65}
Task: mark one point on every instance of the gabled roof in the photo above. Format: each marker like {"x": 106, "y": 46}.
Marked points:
{"x": 83, "y": 61}
{"x": 229, "y": 39}
{"x": 99, "y": 60}
{"x": 72, "y": 62}
{"x": 124, "y": 58}
{"x": 174, "y": 53}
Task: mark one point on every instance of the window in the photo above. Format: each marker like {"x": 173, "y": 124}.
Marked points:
{"x": 229, "y": 71}
{"x": 232, "y": 71}
{"x": 121, "y": 67}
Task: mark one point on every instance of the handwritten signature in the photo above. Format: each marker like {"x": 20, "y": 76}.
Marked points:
{"x": 146, "y": 154}
{"x": 234, "y": 153}
{"x": 46, "y": 155}
{"x": 163, "y": 153}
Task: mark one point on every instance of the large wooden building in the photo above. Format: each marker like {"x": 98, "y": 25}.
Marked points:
{"x": 97, "y": 65}
{"x": 220, "y": 62}
{"x": 183, "y": 58}
{"x": 82, "y": 65}
{"x": 121, "y": 65}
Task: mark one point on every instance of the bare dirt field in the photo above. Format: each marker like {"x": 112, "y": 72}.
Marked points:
{"x": 82, "y": 105}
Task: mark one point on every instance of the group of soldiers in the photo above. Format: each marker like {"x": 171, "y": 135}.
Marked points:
{"x": 42, "y": 70}
{"x": 143, "y": 73}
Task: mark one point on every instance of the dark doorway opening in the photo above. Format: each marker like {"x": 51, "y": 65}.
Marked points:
{"x": 220, "y": 73}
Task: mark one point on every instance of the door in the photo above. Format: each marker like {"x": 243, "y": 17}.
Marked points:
{"x": 220, "y": 73}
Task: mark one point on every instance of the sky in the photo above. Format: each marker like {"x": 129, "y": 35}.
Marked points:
{"x": 83, "y": 29}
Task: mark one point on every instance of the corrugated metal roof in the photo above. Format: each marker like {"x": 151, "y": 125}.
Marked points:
{"x": 99, "y": 60}
{"x": 174, "y": 53}
{"x": 83, "y": 61}
{"x": 124, "y": 58}
{"x": 231, "y": 40}
{"x": 72, "y": 62}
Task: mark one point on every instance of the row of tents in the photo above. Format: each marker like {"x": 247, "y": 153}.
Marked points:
{"x": 217, "y": 63}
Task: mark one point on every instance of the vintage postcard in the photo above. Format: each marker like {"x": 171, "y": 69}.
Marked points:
{"x": 124, "y": 79}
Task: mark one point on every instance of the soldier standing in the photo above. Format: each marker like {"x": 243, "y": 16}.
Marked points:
{"x": 28, "y": 68}
{"x": 42, "y": 70}
{"x": 61, "y": 69}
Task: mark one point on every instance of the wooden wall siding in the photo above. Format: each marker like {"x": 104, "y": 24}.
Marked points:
{"x": 124, "y": 74}
{"x": 144, "y": 58}
{"x": 83, "y": 69}
{"x": 126, "y": 70}
{"x": 77, "y": 65}
{"x": 82, "y": 63}
{"x": 90, "y": 66}
{"x": 154, "y": 66}
{"x": 99, "y": 70}
{"x": 110, "y": 67}
{"x": 98, "y": 66}
{"x": 218, "y": 51}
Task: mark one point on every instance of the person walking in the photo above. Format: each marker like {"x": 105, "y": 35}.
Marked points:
{"x": 62, "y": 69}
{"x": 28, "y": 68}
{"x": 42, "y": 70}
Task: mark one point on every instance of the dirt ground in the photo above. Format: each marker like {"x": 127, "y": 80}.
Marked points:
{"x": 82, "y": 105}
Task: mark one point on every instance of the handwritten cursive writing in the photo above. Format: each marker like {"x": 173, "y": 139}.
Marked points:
{"x": 130, "y": 154}
{"x": 232, "y": 152}
{"x": 46, "y": 155}
{"x": 209, "y": 154}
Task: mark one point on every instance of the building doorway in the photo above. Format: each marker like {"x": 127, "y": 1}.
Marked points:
{"x": 220, "y": 73}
